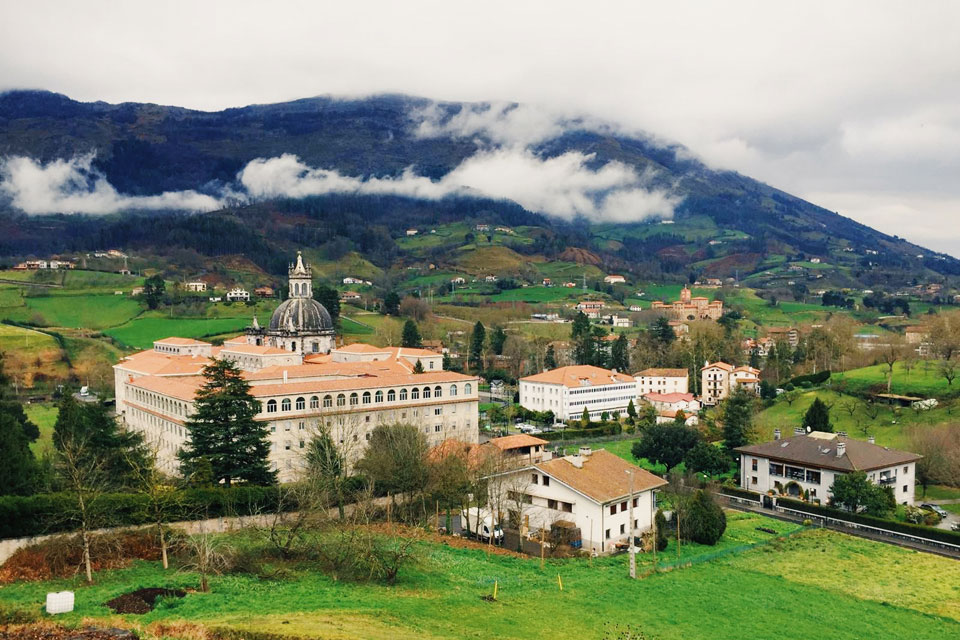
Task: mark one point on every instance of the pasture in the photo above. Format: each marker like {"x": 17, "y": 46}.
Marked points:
{"x": 142, "y": 332}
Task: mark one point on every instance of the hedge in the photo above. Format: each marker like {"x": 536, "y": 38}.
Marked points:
{"x": 740, "y": 493}
{"x": 930, "y": 533}
{"x": 611, "y": 429}
{"x": 812, "y": 378}
{"x": 22, "y": 516}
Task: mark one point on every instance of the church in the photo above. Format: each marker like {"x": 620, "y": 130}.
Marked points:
{"x": 300, "y": 324}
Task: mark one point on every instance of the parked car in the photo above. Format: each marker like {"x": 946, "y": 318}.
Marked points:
{"x": 480, "y": 524}
{"x": 956, "y": 526}
{"x": 940, "y": 511}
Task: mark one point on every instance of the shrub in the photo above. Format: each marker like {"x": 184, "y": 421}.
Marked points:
{"x": 704, "y": 520}
{"x": 661, "y": 521}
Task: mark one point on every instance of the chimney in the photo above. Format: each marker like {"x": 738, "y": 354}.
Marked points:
{"x": 584, "y": 451}
{"x": 871, "y": 440}
{"x": 776, "y": 434}
{"x": 798, "y": 431}
{"x": 576, "y": 461}
{"x": 841, "y": 449}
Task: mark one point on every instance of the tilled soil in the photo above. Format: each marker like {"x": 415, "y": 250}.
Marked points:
{"x": 49, "y": 632}
{"x": 142, "y": 600}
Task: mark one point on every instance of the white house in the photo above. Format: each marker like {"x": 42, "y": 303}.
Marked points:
{"x": 458, "y": 280}
{"x": 614, "y": 279}
{"x": 196, "y": 286}
{"x": 238, "y": 295}
{"x": 621, "y": 321}
{"x": 568, "y": 390}
{"x": 412, "y": 232}
{"x": 661, "y": 380}
{"x": 809, "y": 463}
{"x": 668, "y": 405}
{"x": 591, "y": 489}
{"x": 719, "y": 379}
{"x": 591, "y": 308}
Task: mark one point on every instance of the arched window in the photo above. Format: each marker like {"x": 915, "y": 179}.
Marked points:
{"x": 437, "y": 392}
{"x": 271, "y": 406}
{"x": 301, "y": 404}
{"x": 314, "y": 402}
{"x": 327, "y": 401}
{"x": 341, "y": 400}
{"x": 453, "y": 390}
{"x": 414, "y": 394}
{"x": 354, "y": 399}
{"x": 391, "y": 396}
{"x": 378, "y": 397}
{"x": 285, "y": 405}
{"x": 426, "y": 392}
{"x": 366, "y": 397}
{"x": 467, "y": 389}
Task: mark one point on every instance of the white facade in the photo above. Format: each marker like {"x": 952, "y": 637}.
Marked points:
{"x": 719, "y": 379}
{"x": 568, "y": 390}
{"x": 661, "y": 381}
{"x": 196, "y": 286}
{"x": 238, "y": 295}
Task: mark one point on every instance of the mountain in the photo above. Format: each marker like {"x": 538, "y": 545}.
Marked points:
{"x": 723, "y": 223}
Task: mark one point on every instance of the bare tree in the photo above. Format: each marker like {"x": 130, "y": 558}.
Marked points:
{"x": 945, "y": 335}
{"x": 85, "y": 480}
{"x": 891, "y": 352}
{"x": 162, "y": 497}
{"x": 940, "y": 448}
{"x": 947, "y": 370}
{"x": 208, "y": 556}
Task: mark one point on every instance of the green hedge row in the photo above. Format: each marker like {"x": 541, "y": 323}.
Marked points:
{"x": 812, "y": 378}
{"x": 611, "y": 429}
{"x": 740, "y": 493}
{"x": 941, "y": 535}
{"x": 22, "y": 516}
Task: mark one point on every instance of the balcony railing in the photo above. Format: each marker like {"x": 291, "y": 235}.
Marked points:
{"x": 888, "y": 480}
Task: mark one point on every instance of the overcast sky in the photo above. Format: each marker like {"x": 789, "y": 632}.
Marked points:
{"x": 852, "y": 105}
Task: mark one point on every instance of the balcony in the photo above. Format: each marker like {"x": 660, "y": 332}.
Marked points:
{"x": 888, "y": 480}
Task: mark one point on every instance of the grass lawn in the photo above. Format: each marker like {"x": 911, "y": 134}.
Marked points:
{"x": 353, "y": 327}
{"x": 922, "y": 380}
{"x": 81, "y": 311}
{"x": 536, "y": 294}
{"x": 938, "y": 492}
{"x": 44, "y": 415}
{"x": 786, "y": 589}
{"x": 141, "y": 332}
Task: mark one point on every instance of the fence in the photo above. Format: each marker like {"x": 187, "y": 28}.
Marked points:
{"x": 713, "y": 555}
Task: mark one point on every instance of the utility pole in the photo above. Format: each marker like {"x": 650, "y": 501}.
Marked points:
{"x": 633, "y": 550}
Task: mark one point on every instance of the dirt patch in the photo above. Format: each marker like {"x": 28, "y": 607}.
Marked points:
{"x": 142, "y": 600}
{"x": 53, "y": 632}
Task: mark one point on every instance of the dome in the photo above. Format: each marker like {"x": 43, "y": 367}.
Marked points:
{"x": 305, "y": 315}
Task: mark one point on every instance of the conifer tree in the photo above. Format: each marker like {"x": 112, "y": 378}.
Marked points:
{"x": 411, "y": 335}
{"x": 418, "y": 368}
{"x": 19, "y": 471}
{"x": 222, "y": 430}
{"x": 550, "y": 360}
{"x": 330, "y": 299}
{"x": 817, "y": 417}
{"x": 620, "y": 354}
{"x": 737, "y": 418}
{"x": 476, "y": 345}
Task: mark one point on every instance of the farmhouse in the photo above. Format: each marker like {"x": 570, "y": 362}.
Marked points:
{"x": 591, "y": 308}
{"x": 614, "y": 279}
{"x": 719, "y": 379}
{"x": 196, "y": 286}
{"x": 264, "y": 292}
{"x": 592, "y": 490}
{"x": 658, "y": 380}
{"x": 807, "y": 464}
{"x": 567, "y": 391}
{"x": 349, "y": 296}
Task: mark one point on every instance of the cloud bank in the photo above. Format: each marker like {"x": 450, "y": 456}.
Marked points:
{"x": 75, "y": 186}
{"x": 564, "y": 186}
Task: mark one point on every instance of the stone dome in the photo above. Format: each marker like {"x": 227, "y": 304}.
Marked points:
{"x": 304, "y": 315}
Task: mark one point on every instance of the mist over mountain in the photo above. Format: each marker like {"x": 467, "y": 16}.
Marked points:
{"x": 392, "y": 162}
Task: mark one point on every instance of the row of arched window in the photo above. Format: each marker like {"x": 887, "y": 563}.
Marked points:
{"x": 164, "y": 404}
{"x": 355, "y": 399}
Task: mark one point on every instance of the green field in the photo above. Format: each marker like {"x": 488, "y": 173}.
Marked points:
{"x": 82, "y": 311}
{"x": 44, "y": 415}
{"x": 536, "y": 294}
{"x": 923, "y": 380}
{"x": 142, "y": 332}
{"x": 817, "y": 584}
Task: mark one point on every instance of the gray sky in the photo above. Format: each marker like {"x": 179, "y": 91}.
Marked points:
{"x": 854, "y": 105}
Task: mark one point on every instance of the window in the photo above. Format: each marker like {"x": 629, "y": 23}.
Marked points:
{"x": 437, "y": 428}
{"x": 285, "y": 405}
{"x": 341, "y": 400}
{"x": 753, "y": 465}
{"x": 813, "y": 477}
{"x": 316, "y": 347}
{"x": 906, "y": 469}
{"x": 453, "y": 390}
{"x": 378, "y": 397}
{"x": 551, "y": 504}
{"x": 301, "y": 426}
{"x": 315, "y": 402}
{"x": 623, "y": 506}
{"x": 273, "y": 428}
{"x": 367, "y": 418}
{"x": 467, "y": 389}
{"x": 905, "y": 488}
{"x": 354, "y": 399}
{"x": 414, "y": 394}
{"x": 391, "y": 396}
{"x": 286, "y": 427}
{"x": 431, "y": 364}
{"x": 546, "y": 481}
{"x": 301, "y": 404}
{"x": 426, "y": 392}
{"x": 437, "y": 392}
{"x": 636, "y": 501}
{"x": 623, "y": 529}
{"x": 438, "y": 411}
{"x": 607, "y": 534}
{"x": 271, "y": 406}
{"x": 366, "y": 397}
{"x": 327, "y": 401}
{"x": 535, "y": 479}
{"x": 286, "y": 445}
{"x": 613, "y": 511}
{"x": 566, "y": 506}
{"x": 753, "y": 480}
{"x": 301, "y": 444}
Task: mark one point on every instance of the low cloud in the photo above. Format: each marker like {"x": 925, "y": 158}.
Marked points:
{"x": 75, "y": 186}
{"x": 563, "y": 186}
{"x": 501, "y": 123}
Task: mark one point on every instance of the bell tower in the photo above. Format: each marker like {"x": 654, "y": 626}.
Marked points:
{"x": 301, "y": 279}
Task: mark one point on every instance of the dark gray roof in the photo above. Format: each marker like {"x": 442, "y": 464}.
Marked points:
{"x": 304, "y": 314}
{"x": 822, "y": 452}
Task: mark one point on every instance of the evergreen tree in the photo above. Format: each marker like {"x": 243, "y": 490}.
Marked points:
{"x": 581, "y": 334}
{"x": 497, "y": 337}
{"x": 326, "y": 463}
{"x": 550, "y": 361}
{"x": 418, "y": 368}
{"x": 661, "y": 524}
{"x": 391, "y": 304}
{"x": 585, "y": 417}
{"x": 708, "y": 459}
{"x": 703, "y": 520}
{"x": 330, "y": 299}
{"x": 411, "y": 335}
{"x": 476, "y": 345}
{"x": 854, "y": 492}
{"x": 737, "y": 418}
{"x": 116, "y": 451}
{"x": 19, "y": 471}
{"x": 10, "y": 405}
{"x": 631, "y": 409}
{"x": 153, "y": 289}
{"x": 663, "y": 331}
{"x": 620, "y": 354}
{"x": 223, "y": 431}
{"x": 667, "y": 444}
{"x": 817, "y": 417}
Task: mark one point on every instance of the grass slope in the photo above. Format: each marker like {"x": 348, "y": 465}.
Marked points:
{"x": 43, "y": 415}
{"x": 923, "y": 380}
{"x": 141, "y": 332}
{"x": 83, "y": 311}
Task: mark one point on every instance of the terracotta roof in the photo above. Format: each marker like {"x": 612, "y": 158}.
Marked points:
{"x": 396, "y": 352}
{"x": 747, "y": 369}
{"x": 163, "y": 364}
{"x": 506, "y": 443}
{"x": 603, "y": 477}
{"x": 720, "y": 365}
{"x": 820, "y": 450}
{"x": 662, "y": 373}
{"x": 580, "y": 376}
{"x": 669, "y": 397}
{"x": 180, "y": 341}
